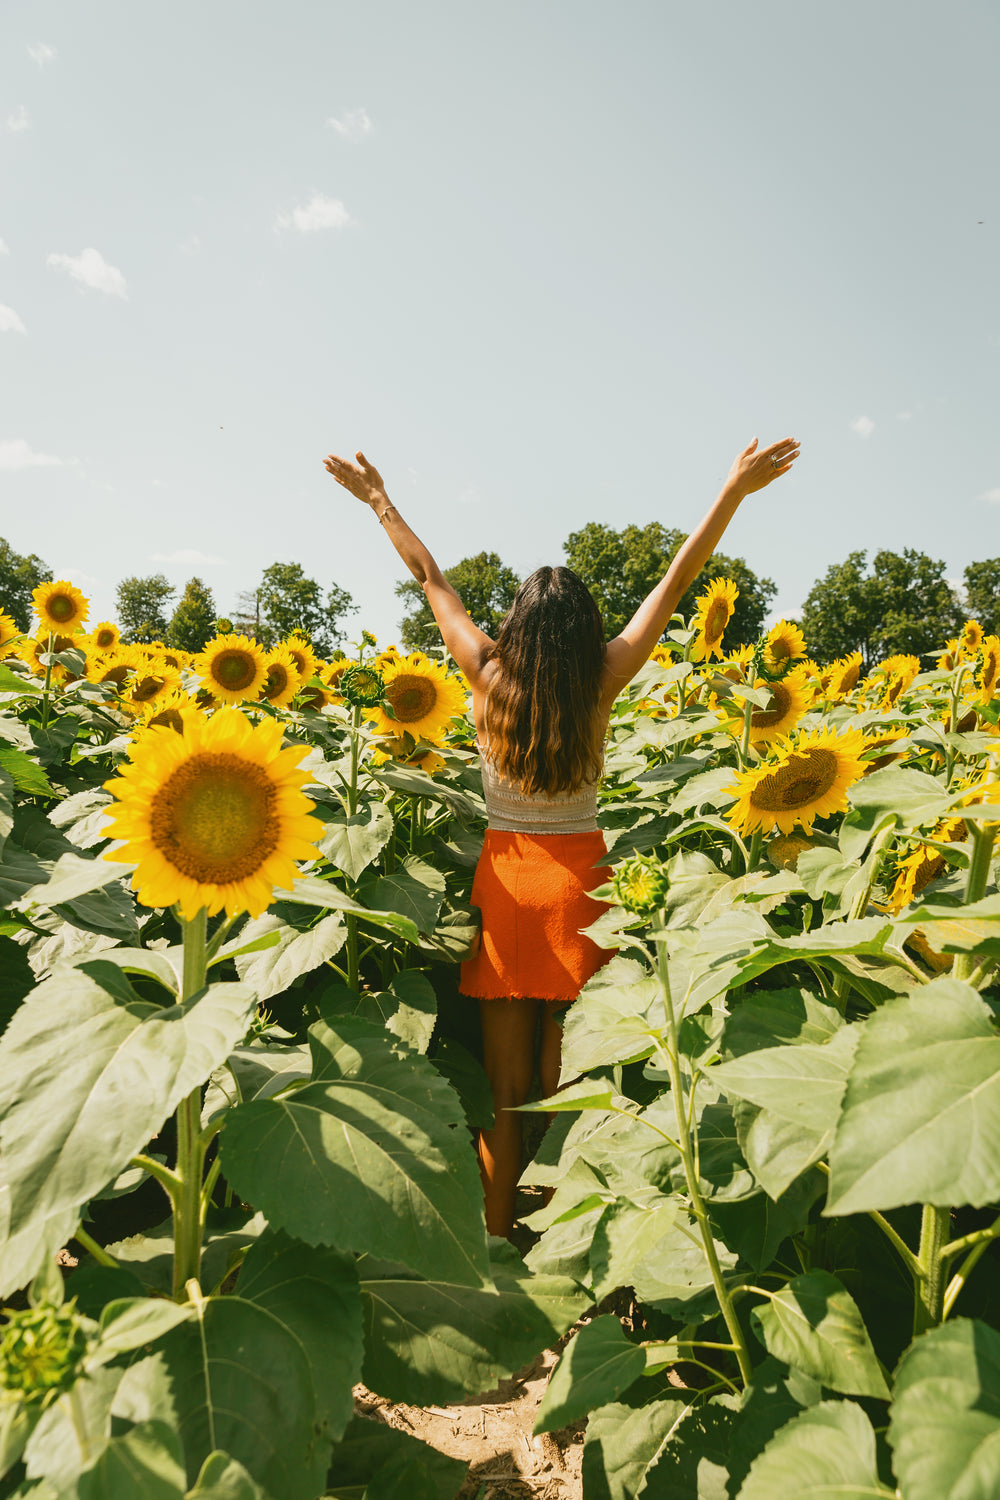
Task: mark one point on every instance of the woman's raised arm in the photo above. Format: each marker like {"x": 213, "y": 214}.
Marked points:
{"x": 751, "y": 470}
{"x": 469, "y": 645}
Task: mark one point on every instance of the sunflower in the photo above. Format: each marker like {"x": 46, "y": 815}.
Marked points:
{"x": 32, "y": 648}
{"x": 104, "y": 637}
{"x": 9, "y": 634}
{"x": 949, "y": 656}
{"x": 713, "y": 612}
{"x": 406, "y": 751}
{"x": 422, "y": 698}
{"x": 805, "y": 780}
{"x": 361, "y": 687}
{"x": 283, "y": 679}
{"x": 176, "y": 658}
{"x": 213, "y": 817}
{"x": 149, "y": 687}
{"x": 112, "y": 667}
{"x": 232, "y": 668}
{"x": 923, "y": 865}
{"x": 789, "y": 701}
{"x": 877, "y": 748}
{"x": 784, "y": 849}
{"x": 59, "y": 606}
{"x": 843, "y": 676}
{"x": 987, "y": 677}
{"x": 303, "y": 656}
{"x": 971, "y": 638}
{"x": 783, "y": 645}
{"x": 168, "y": 710}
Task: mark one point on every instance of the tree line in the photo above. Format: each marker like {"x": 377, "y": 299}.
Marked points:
{"x": 899, "y": 602}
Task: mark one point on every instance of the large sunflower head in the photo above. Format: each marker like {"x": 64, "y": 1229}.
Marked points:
{"x": 971, "y": 638}
{"x": 783, "y": 645}
{"x": 150, "y": 685}
{"x": 790, "y": 699}
{"x": 104, "y": 637}
{"x": 232, "y": 668}
{"x": 923, "y": 864}
{"x": 283, "y": 680}
{"x": 713, "y": 613}
{"x": 10, "y": 634}
{"x": 804, "y": 780}
{"x": 420, "y": 699}
{"x": 988, "y": 676}
{"x": 213, "y": 817}
{"x": 842, "y": 677}
{"x": 60, "y": 607}
{"x": 167, "y": 710}
{"x": 113, "y": 667}
{"x": 302, "y": 654}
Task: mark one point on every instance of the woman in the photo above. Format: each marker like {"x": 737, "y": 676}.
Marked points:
{"x": 542, "y": 695}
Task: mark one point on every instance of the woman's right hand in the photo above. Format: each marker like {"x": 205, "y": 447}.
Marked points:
{"x": 751, "y": 470}
{"x": 362, "y": 479}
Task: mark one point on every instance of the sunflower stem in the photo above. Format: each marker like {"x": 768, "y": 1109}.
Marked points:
{"x": 928, "y": 1307}
{"x": 48, "y": 683}
{"x": 353, "y": 970}
{"x": 956, "y": 693}
{"x": 748, "y": 706}
{"x": 188, "y": 1206}
{"x": 687, "y": 1153}
{"x": 753, "y": 855}
{"x": 94, "y": 1250}
{"x": 982, "y": 835}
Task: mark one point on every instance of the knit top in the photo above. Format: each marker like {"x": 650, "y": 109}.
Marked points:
{"x": 512, "y": 811}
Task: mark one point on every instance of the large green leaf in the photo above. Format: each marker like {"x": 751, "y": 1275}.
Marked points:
{"x": 363, "y": 1158}
{"x": 351, "y": 843}
{"x": 798, "y": 1090}
{"x": 413, "y": 1011}
{"x": 755, "y": 1227}
{"x": 433, "y": 1340}
{"x": 626, "y": 1237}
{"x": 774, "y": 1396}
{"x": 826, "y": 1453}
{"x": 376, "y": 1462}
{"x": 814, "y": 1324}
{"x": 314, "y": 1292}
{"x": 6, "y": 805}
{"x": 311, "y": 890}
{"x": 595, "y": 1367}
{"x": 921, "y": 1113}
{"x": 74, "y": 1114}
{"x": 73, "y": 876}
{"x": 240, "y": 1381}
{"x": 146, "y": 1463}
{"x": 223, "y": 1478}
{"x": 415, "y": 890}
{"x": 272, "y": 971}
{"x": 673, "y": 1449}
{"x": 417, "y": 783}
{"x": 945, "y": 1428}
{"x": 255, "y": 1071}
{"x": 617, "y": 1018}
{"x": 771, "y": 1018}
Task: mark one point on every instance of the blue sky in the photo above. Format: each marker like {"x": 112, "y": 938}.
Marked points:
{"x": 545, "y": 262}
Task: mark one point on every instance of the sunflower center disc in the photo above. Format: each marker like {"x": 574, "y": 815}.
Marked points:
{"x": 781, "y": 700}
{"x": 215, "y": 819}
{"x": 234, "y": 670}
{"x": 146, "y": 688}
{"x": 116, "y": 674}
{"x": 104, "y": 638}
{"x": 805, "y": 778}
{"x": 716, "y": 621}
{"x": 277, "y": 681}
{"x": 411, "y": 697}
{"x": 61, "y": 607}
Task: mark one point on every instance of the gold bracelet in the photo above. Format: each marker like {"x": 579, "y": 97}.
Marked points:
{"x": 382, "y": 517}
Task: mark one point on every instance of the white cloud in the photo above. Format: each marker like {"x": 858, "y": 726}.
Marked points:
{"x": 353, "y": 124}
{"x": 992, "y": 496}
{"x": 189, "y": 556}
{"x": 3, "y": 249}
{"x": 9, "y": 321}
{"x": 319, "y": 213}
{"x": 18, "y": 120}
{"x": 41, "y": 53}
{"x": 91, "y": 269}
{"x": 863, "y": 426}
{"x": 15, "y": 453}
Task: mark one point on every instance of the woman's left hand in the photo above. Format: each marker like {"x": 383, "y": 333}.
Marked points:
{"x": 752, "y": 470}
{"x": 362, "y": 479}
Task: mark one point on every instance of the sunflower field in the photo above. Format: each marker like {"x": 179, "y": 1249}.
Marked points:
{"x": 239, "y": 1090}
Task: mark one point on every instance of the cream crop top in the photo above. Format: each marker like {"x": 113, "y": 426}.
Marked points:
{"x": 511, "y": 811}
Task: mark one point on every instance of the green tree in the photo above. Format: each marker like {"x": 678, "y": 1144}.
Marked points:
{"x": 982, "y": 591}
{"x": 620, "y": 568}
{"x": 19, "y": 576}
{"x": 193, "y": 621}
{"x": 485, "y": 585}
{"x": 141, "y": 605}
{"x": 905, "y": 604}
{"x": 286, "y": 600}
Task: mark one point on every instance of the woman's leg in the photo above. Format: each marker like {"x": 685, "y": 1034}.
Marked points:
{"x": 550, "y": 1058}
{"x": 509, "y": 1060}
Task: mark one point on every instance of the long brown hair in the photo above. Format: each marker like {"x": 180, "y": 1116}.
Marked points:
{"x": 543, "y": 725}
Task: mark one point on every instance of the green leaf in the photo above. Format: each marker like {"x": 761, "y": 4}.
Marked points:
{"x": 798, "y": 1090}
{"x": 814, "y": 1324}
{"x": 414, "y": 1014}
{"x": 363, "y": 1158}
{"x": 418, "y": 784}
{"x": 6, "y": 807}
{"x": 467, "y": 1077}
{"x": 434, "y": 1340}
{"x": 130, "y": 1322}
{"x": 673, "y": 1449}
{"x": 618, "y": 1018}
{"x": 755, "y": 1227}
{"x": 351, "y": 843}
{"x": 896, "y": 795}
{"x": 228, "y": 1236}
{"x": 828, "y": 1451}
{"x": 921, "y": 1114}
{"x": 415, "y": 890}
{"x": 376, "y": 1462}
{"x": 74, "y": 876}
{"x": 626, "y": 1237}
{"x": 25, "y": 773}
{"x": 14, "y": 682}
{"x": 312, "y": 891}
{"x": 223, "y": 1478}
{"x": 74, "y": 1114}
{"x": 144, "y": 961}
{"x": 945, "y": 1428}
{"x": 17, "y": 979}
{"x": 771, "y": 1018}
{"x": 675, "y": 1275}
{"x": 313, "y": 1291}
{"x": 595, "y": 1367}
{"x": 255, "y": 1071}
{"x": 273, "y": 970}
{"x": 774, "y": 1396}
{"x": 145, "y": 1464}
{"x": 241, "y": 1382}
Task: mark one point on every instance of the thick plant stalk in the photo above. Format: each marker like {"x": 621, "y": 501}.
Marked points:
{"x": 188, "y": 1208}
{"x": 353, "y": 964}
{"x": 48, "y": 683}
{"x": 928, "y": 1308}
{"x": 685, "y": 1127}
{"x": 982, "y": 835}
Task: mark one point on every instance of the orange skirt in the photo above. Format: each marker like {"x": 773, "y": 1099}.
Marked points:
{"x": 532, "y": 889}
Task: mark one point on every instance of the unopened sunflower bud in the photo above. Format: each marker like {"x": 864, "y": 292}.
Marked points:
{"x": 223, "y": 626}
{"x": 640, "y": 886}
{"x": 362, "y": 687}
{"x": 42, "y": 1350}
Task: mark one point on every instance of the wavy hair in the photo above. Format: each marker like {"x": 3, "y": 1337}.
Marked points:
{"x": 544, "y": 726}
